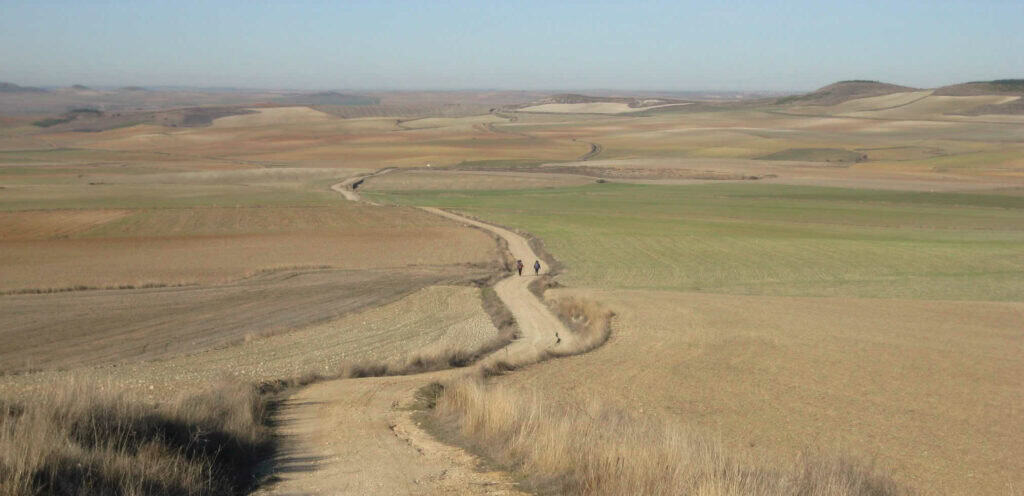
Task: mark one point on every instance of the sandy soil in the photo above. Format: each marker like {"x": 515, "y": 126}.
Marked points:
{"x": 352, "y": 437}
{"x": 929, "y": 389}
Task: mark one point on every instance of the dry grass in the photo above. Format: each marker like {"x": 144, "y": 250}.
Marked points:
{"x": 929, "y": 388}
{"x": 591, "y": 449}
{"x": 589, "y": 325}
{"x": 82, "y": 440}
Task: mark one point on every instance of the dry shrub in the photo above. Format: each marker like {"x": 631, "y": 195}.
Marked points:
{"x": 81, "y": 440}
{"x": 589, "y": 322}
{"x": 566, "y": 449}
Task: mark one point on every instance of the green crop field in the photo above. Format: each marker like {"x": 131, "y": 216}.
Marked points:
{"x": 767, "y": 239}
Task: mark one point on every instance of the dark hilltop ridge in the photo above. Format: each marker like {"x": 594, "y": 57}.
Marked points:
{"x": 6, "y": 87}
{"x": 325, "y": 98}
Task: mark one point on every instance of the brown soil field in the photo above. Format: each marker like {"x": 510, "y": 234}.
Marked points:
{"x": 929, "y": 389}
{"x": 203, "y": 246}
{"x": 53, "y": 224}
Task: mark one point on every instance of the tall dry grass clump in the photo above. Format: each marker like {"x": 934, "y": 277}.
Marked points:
{"x": 568, "y": 449}
{"x": 589, "y": 322}
{"x": 80, "y": 440}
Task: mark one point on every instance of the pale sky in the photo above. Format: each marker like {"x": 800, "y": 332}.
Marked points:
{"x": 683, "y": 45}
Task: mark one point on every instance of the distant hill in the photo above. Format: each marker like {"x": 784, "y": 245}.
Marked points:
{"x": 80, "y": 87}
{"x": 574, "y": 98}
{"x": 6, "y": 87}
{"x": 842, "y": 91}
{"x": 95, "y": 120}
{"x": 326, "y": 98}
{"x": 996, "y": 87}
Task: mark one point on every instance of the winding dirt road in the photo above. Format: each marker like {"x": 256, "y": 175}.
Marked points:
{"x": 357, "y": 436}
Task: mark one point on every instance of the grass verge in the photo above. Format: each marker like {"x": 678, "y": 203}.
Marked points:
{"x": 81, "y": 440}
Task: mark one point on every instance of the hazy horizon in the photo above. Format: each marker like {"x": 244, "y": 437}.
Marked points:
{"x": 450, "y": 46}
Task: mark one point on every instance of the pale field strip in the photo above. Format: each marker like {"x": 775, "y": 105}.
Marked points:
{"x": 290, "y": 176}
{"x": 273, "y": 117}
{"x": 593, "y": 108}
{"x": 412, "y": 180}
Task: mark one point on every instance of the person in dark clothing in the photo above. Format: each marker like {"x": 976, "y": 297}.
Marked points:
{"x": 519, "y": 266}
{"x": 536, "y": 267}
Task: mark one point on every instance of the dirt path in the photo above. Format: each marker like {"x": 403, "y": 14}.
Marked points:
{"x": 357, "y": 436}
{"x": 537, "y": 325}
{"x": 348, "y": 187}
